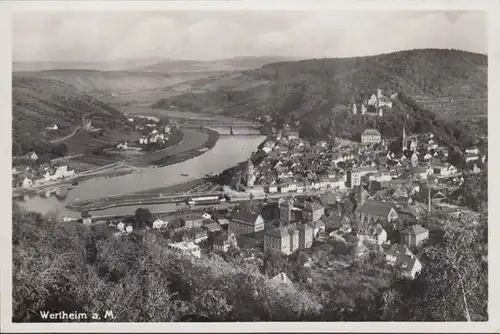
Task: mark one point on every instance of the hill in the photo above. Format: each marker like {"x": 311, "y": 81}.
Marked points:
{"x": 38, "y": 103}
{"x": 121, "y": 87}
{"x": 118, "y": 65}
{"x": 108, "y": 82}
{"x": 230, "y": 64}
{"x": 317, "y": 92}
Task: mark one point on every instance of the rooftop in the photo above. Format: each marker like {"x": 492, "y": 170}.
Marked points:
{"x": 415, "y": 230}
{"x": 371, "y": 132}
{"x": 282, "y": 231}
{"x": 376, "y": 208}
{"x": 245, "y": 216}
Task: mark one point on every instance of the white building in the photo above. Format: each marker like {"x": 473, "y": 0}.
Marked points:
{"x": 404, "y": 260}
{"x": 120, "y": 227}
{"x": 159, "y": 223}
{"x": 122, "y": 145}
{"x": 472, "y": 150}
{"x": 27, "y": 182}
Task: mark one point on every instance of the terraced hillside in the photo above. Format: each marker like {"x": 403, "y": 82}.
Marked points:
{"x": 457, "y": 108}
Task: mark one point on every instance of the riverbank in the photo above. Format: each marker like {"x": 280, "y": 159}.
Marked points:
{"x": 213, "y": 137}
{"x": 158, "y": 195}
{"x": 121, "y": 168}
{"x": 113, "y": 170}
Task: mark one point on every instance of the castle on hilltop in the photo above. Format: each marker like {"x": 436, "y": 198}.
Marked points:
{"x": 375, "y": 105}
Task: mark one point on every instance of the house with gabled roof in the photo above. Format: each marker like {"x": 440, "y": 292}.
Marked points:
{"x": 414, "y": 235}
{"x": 373, "y": 210}
{"x": 312, "y": 211}
{"x": 86, "y": 218}
{"x": 211, "y": 226}
{"x": 245, "y": 222}
{"x": 284, "y": 239}
{"x": 223, "y": 241}
{"x": 191, "y": 221}
{"x": 401, "y": 258}
{"x": 371, "y": 233}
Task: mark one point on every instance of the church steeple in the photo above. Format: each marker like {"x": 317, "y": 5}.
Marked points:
{"x": 250, "y": 173}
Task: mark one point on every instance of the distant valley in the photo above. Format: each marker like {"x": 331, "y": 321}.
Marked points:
{"x": 143, "y": 82}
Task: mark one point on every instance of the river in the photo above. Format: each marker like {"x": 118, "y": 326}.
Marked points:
{"x": 228, "y": 152}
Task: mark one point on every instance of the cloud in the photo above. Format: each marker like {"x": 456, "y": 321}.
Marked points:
{"x": 88, "y": 36}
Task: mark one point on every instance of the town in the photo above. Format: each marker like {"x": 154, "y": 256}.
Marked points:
{"x": 293, "y": 196}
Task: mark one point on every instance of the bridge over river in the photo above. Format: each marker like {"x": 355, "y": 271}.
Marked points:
{"x": 229, "y": 130}
{"x": 228, "y": 127}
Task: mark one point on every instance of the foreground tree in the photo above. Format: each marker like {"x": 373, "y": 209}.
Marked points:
{"x": 453, "y": 283}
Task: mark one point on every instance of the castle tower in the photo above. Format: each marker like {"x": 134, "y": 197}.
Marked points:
{"x": 354, "y": 109}
{"x": 380, "y": 112}
{"x": 379, "y": 93}
{"x": 286, "y": 212}
{"x": 250, "y": 177}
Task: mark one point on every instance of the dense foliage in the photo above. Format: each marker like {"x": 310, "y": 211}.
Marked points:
{"x": 59, "y": 266}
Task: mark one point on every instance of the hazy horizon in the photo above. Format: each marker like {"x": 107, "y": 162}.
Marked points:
{"x": 94, "y": 37}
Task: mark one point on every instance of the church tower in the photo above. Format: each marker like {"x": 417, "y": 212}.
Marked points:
{"x": 250, "y": 174}
{"x": 286, "y": 211}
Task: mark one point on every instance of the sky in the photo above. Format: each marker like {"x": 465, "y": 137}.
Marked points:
{"x": 203, "y": 35}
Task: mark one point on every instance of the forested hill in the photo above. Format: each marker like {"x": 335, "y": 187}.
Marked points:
{"x": 319, "y": 90}
{"x": 38, "y": 103}
{"x": 425, "y": 72}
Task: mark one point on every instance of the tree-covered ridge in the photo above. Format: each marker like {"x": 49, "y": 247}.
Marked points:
{"x": 424, "y": 72}
{"x": 315, "y": 94}
{"x": 38, "y": 103}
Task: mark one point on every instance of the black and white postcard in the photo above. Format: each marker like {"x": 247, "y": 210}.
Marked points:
{"x": 226, "y": 166}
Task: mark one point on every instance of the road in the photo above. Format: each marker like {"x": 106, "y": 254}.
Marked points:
{"x": 58, "y": 140}
{"x": 55, "y": 141}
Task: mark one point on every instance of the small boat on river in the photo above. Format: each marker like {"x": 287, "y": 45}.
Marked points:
{"x": 184, "y": 174}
